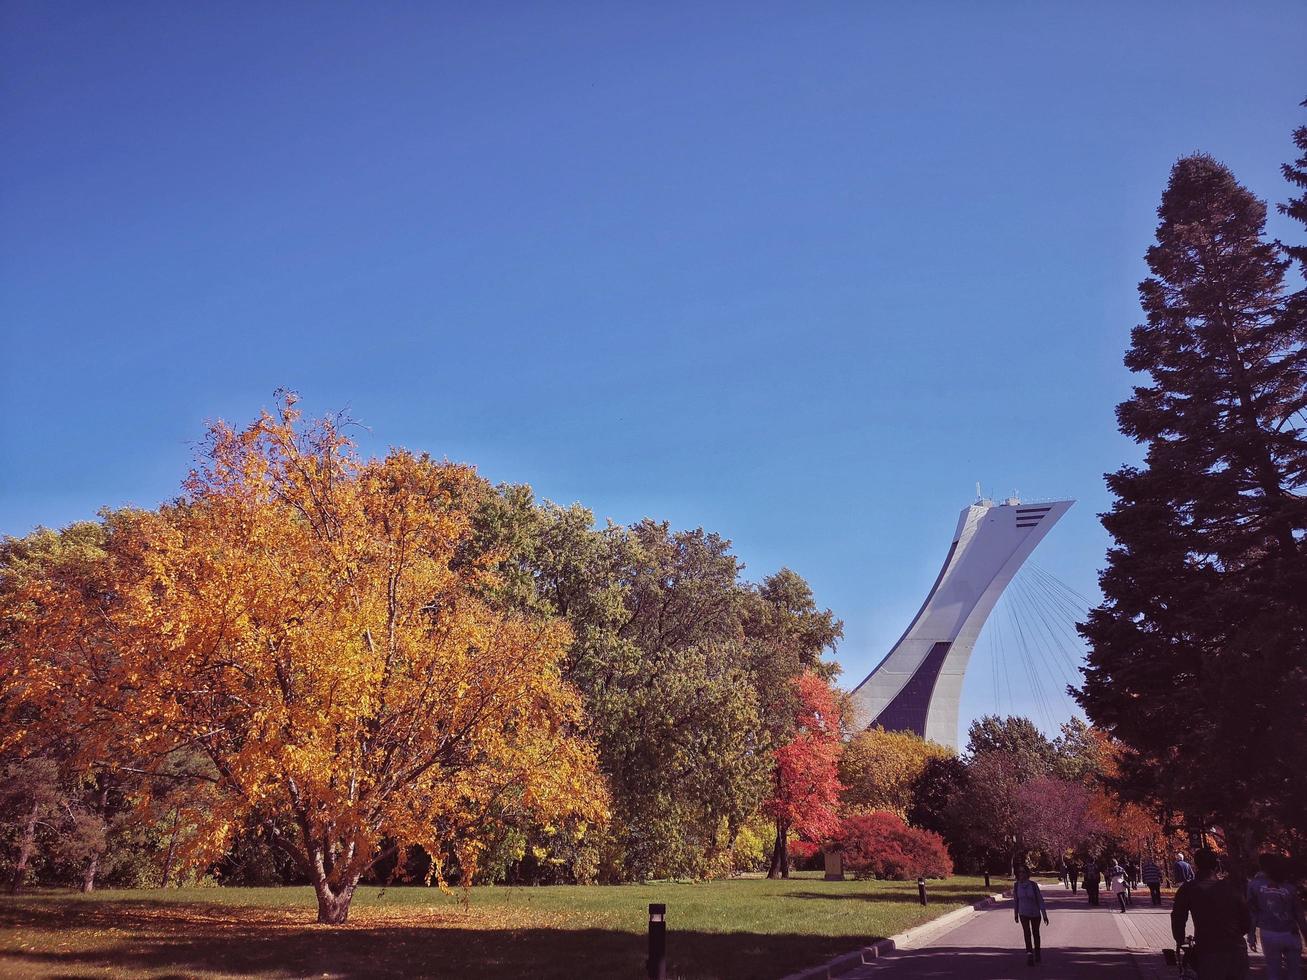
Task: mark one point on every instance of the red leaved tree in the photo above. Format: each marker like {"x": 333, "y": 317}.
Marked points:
{"x": 807, "y": 785}
{"x": 882, "y": 845}
{"x": 1055, "y": 816}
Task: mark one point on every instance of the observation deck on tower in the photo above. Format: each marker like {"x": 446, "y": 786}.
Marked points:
{"x": 918, "y": 685}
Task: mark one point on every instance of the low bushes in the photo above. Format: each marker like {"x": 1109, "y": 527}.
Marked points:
{"x": 881, "y": 845}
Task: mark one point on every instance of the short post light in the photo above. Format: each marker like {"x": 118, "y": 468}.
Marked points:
{"x": 987, "y": 885}
{"x": 657, "y": 964}
{"x": 921, "y": 890}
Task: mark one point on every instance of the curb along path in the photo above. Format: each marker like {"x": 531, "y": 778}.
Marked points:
{"x": 841, "y": 966}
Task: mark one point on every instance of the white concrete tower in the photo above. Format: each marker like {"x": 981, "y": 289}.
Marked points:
{"x": 919, "y": 683}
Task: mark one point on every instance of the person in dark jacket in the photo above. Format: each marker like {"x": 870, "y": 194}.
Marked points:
{"x": 1184, "y": 871}
{"x": 1151, "y": 875}
{"x": 1221, "y": 921}
{"x": 1073, "y": 874}
{"x": 1092, "y": 879}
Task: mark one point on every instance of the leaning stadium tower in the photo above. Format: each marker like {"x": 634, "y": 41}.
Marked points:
{"x": 918, "y": 685}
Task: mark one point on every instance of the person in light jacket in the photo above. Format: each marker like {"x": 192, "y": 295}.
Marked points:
{"x": 1028, "y": 908}
{"x": 1116, "y": 879}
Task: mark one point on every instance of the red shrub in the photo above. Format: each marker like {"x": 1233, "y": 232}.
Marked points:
{"x": 802, "y": 849}
{"x": 881, "y": 845}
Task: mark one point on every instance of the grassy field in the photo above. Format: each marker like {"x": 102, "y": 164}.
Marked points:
{"x": 726, "y": 929}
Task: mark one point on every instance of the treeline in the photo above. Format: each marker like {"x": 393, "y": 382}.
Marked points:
{"x": 1013, "y": 795}
{"x": 314, "y": 667}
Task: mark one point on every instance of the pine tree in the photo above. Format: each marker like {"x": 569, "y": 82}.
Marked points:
{"x": 1197, "y": 661}
{"x": 1296, "y": 174}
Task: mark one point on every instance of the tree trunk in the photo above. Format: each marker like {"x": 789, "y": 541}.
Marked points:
{"x": 780, "y": 855}
{"x": 172, "y": 849}
{"x": 333, "y": 906}
{"x": 93, "y": 865}
{"x": 88, "y": 873}
{"x": 25, "y": 849}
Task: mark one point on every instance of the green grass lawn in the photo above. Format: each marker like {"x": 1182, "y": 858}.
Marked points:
{"x": 720, "y": 929}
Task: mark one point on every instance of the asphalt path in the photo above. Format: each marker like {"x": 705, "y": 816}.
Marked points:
{"x": 1079, "y": 943}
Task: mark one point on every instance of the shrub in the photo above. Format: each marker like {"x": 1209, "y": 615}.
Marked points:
{"x": 753, "y": 844}
{"x": 881, "y": 845}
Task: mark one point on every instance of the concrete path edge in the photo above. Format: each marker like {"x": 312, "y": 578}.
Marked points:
{"x": 927, "y": 930}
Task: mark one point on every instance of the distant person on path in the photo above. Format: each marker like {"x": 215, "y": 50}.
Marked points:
{"x": 1132, "y": 874}
{"x": 1151, "y": 875}
{"x": 1116, "y": 881}
{"x": 1028, "y": 908}
{"x": 1073, "y": 873}
{"x": 1184, "y": 871}
{"x": 1276, "y": 909}
{"x": 1221, "y": 921}
{"x": 1092, "y": 878}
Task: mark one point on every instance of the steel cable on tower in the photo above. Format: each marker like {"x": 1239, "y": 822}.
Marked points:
{"x": 1036, "y": 691}
{"x": 1048, "y": 615}
{"x": 1038, "y": 618}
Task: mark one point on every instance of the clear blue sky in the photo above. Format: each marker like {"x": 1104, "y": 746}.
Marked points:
{"x": 801, "y": 274}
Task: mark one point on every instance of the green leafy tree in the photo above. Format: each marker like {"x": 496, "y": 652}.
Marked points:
{"x": 1196, "y": 659}
{"x": 660, "y": 658}
{"x": 1079, "y": 754}
{"x": 686, "y": 673}
{"x": 1031, "y": 750}
{"x": 881, "y": 770}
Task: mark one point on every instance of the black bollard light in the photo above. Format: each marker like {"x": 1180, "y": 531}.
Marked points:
{"x": 987, "y": 886}
{"x": 657, "y": 965}
{"x": 921, "y": 890}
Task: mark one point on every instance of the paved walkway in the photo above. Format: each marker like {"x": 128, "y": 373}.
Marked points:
{"x": 1080, "y": 943}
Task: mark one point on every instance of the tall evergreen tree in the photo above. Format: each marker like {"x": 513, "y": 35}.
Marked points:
{"x": 1198, "y": 656}
{"x": 1296, "y": 174}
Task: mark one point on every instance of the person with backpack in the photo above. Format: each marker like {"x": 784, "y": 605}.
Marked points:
{"x": 1028, "y": 908}
{"x": 1221, "y": 921}
{"x": 1151, "y": 875}
{"x": 1276, "y": 909}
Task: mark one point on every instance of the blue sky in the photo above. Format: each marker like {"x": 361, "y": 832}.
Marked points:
{"x": 801, "y": 274}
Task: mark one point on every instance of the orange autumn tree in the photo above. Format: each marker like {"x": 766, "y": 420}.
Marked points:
{"x": 314, "y": 627}
{"x": 1124, "y": 823}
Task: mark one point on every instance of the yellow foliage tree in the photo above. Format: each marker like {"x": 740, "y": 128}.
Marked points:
{"x": 880, "y": 769}
{"x": 315, "y": 627}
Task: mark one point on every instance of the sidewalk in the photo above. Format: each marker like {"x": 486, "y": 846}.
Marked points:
{"x": 1080, "y": 943}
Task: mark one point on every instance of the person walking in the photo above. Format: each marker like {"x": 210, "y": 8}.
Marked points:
{"x": 1073, "y": 872}
{"x": 1092, "y": 878}
{"x": 1184, "y": 871}
{"x": 1116, "y": 882}
{"x": 1275, "y": 908}
{"x": 1132, "y": 874}
{"x": 1151, "y": 875}
{"x": 1221, "y": 921}
{"x": 1028, "y": 908}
